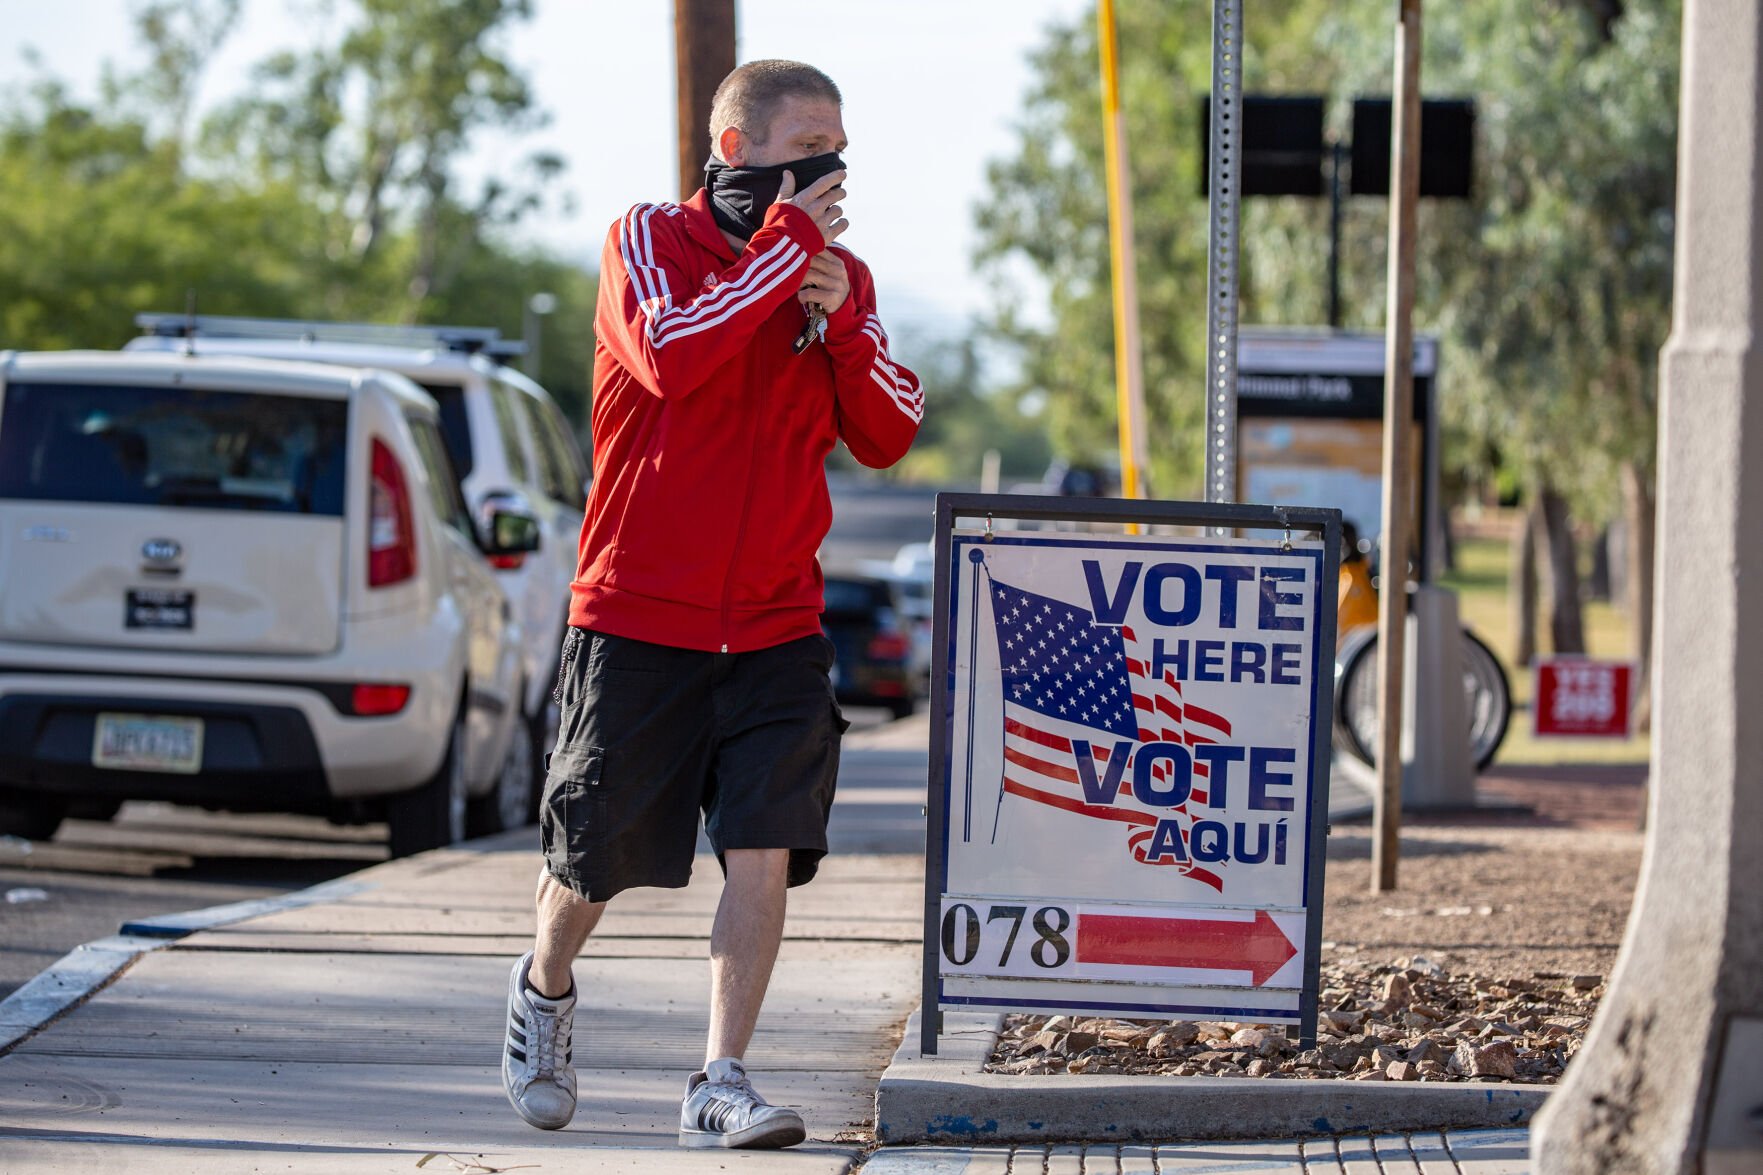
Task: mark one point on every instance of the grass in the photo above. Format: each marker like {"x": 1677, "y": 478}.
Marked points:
{"x": 1479, "y": 580}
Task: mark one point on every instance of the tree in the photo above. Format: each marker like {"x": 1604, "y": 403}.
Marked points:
{"x": 962, "y": 421}
{"x": 1551, "y": 288}
{"x": 1561, "y": 298}
{"x": 1048, "y": 216}
{"x": 374, "y": 125}
{"x": 101, "y": 220}
{"x": 180, "y": 36}
{"x": 118, "y": 206}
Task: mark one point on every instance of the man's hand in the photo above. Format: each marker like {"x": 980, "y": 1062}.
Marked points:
{"x": 825, "y": 284}
{"x": 820, "y": 200}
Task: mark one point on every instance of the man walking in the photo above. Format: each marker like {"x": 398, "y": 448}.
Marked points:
{"x": 735, "y": 346}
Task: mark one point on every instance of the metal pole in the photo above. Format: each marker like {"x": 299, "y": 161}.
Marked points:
{"x": 529, "y": 334}
{"x": 1335, "y": 199}
{"x": 937, "y": 798}
{"x": 1129, "y": 373}
{"x": 1398, "y": 434}
{"x": 704, "y": 54}
{"x": 1221, "y": 270}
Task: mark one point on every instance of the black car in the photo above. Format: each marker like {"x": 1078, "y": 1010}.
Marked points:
{"x": 872, "y": 649}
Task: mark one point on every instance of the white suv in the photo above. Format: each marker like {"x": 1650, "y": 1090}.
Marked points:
{"x": 250, "y": 585}
{"x": 509, "y": 442}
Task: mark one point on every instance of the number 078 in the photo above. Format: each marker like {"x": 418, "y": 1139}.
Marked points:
{"x": 995, "y": 943}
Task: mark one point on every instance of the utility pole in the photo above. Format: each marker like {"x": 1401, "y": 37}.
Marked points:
{"x": 704, "y": 54}
{"x": 1398, "y": 435}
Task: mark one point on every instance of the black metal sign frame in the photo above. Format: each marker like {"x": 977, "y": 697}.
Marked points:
{"x": 1218, "y": 517}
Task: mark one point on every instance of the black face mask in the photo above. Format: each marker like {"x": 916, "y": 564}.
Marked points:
{"x": 739, "y": 196}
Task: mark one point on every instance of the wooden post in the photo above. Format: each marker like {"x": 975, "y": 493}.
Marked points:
{"x": 1398, "y": 433}
{"x": 704, "y": 54}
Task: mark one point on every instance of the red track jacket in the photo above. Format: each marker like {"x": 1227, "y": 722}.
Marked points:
{"x": 711, "y": 435}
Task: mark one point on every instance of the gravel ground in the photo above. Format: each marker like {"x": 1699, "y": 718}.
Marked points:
{"x": 1486, "y": 964}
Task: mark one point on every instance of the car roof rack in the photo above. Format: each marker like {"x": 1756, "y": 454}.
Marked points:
{"x": 468, "y": 340}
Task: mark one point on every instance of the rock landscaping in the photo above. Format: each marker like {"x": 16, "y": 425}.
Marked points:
{"x": 1408, "y": 1020}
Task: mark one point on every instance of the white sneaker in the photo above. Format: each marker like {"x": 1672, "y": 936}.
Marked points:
{"x": 537, "y": 1072}
{"x": 721, "y": 1108}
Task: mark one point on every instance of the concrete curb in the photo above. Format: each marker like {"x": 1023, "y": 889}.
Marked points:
{"x": 87, "y": 969}
{"x": 175, "y": 926}
{"x": 947, "y": 1099}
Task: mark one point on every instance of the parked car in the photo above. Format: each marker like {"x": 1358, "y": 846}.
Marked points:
{"x": 509, "y": 442}
{"x": 912, "y": 573}
{"x": 872, "y": 651}
{"x": 249, "y": 585}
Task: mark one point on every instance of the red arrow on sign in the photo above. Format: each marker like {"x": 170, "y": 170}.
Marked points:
{"x": 1259, "y": 947}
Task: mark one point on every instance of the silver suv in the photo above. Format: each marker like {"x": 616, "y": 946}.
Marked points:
{"x": 509, "y": 442}
{"x": 249, "y": 585}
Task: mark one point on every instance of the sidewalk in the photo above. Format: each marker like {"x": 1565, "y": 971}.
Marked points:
{"x": 361, "y": 1031}
{"x": 1467, "y": 1152}
{"x": 365, "y": 1033}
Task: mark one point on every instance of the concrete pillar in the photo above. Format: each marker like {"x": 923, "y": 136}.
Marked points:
{"x": 1670, "y": 1079}
{"x": 1437, "y": 772}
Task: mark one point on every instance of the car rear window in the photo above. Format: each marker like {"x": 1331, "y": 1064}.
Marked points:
{"x": 854, "y": 597}
{"x": 178, "y": 446}
{"x": 455, "y": 430}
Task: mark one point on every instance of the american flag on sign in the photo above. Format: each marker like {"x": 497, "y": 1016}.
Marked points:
{"x": 1067, "y": 677}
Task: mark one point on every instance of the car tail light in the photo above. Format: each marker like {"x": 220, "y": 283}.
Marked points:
{"x": 372, "y": 699}
{"x": 884, "y": 688}
{"x": 507, "y": 562}
{"x": 391, "y": 538}
{"x": 888, "y": 646}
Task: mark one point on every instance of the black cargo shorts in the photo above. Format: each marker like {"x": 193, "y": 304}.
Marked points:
{"x": 650, "y": 736}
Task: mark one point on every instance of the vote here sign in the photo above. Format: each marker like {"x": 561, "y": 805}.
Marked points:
{"x": 1131, "y": 775}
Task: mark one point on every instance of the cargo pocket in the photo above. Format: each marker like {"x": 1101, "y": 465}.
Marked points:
{"x": 573, "y": 818}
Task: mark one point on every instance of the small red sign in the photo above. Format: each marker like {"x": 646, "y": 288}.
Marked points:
{"x": 1582, "y": 698}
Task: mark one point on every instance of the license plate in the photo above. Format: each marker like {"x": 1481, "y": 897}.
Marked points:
{"x": 159, "y": 608}
{"x": 141, "y": 742}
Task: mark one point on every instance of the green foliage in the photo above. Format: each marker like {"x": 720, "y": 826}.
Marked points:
{"x": 1551, "y": 288}
{"x": 424, "y": 74}
{"x": 102, "y": 220}
{"x": 325, "y": 193}
{"x": 962, "y": 422}
{"x": 1049, "y": 217}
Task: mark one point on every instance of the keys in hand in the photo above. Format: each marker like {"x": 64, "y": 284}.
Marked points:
{"x": 816, "y": 328}
{"x": 824, "y": 289}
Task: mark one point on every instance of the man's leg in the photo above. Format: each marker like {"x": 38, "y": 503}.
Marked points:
{"x": 565, "y": 921}
{"x": 743, "y": 946}
{"x": 538, "y": 1071}
{"x": 622, "y": 789}
{"x": 721, "y": 1107}
{"x": 772, "y": 782}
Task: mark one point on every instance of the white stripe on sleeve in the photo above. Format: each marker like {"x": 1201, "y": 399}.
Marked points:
{"x": 665, "y": 322}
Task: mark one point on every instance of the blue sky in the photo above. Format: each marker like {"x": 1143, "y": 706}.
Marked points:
{"x": 932, "y": 91}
